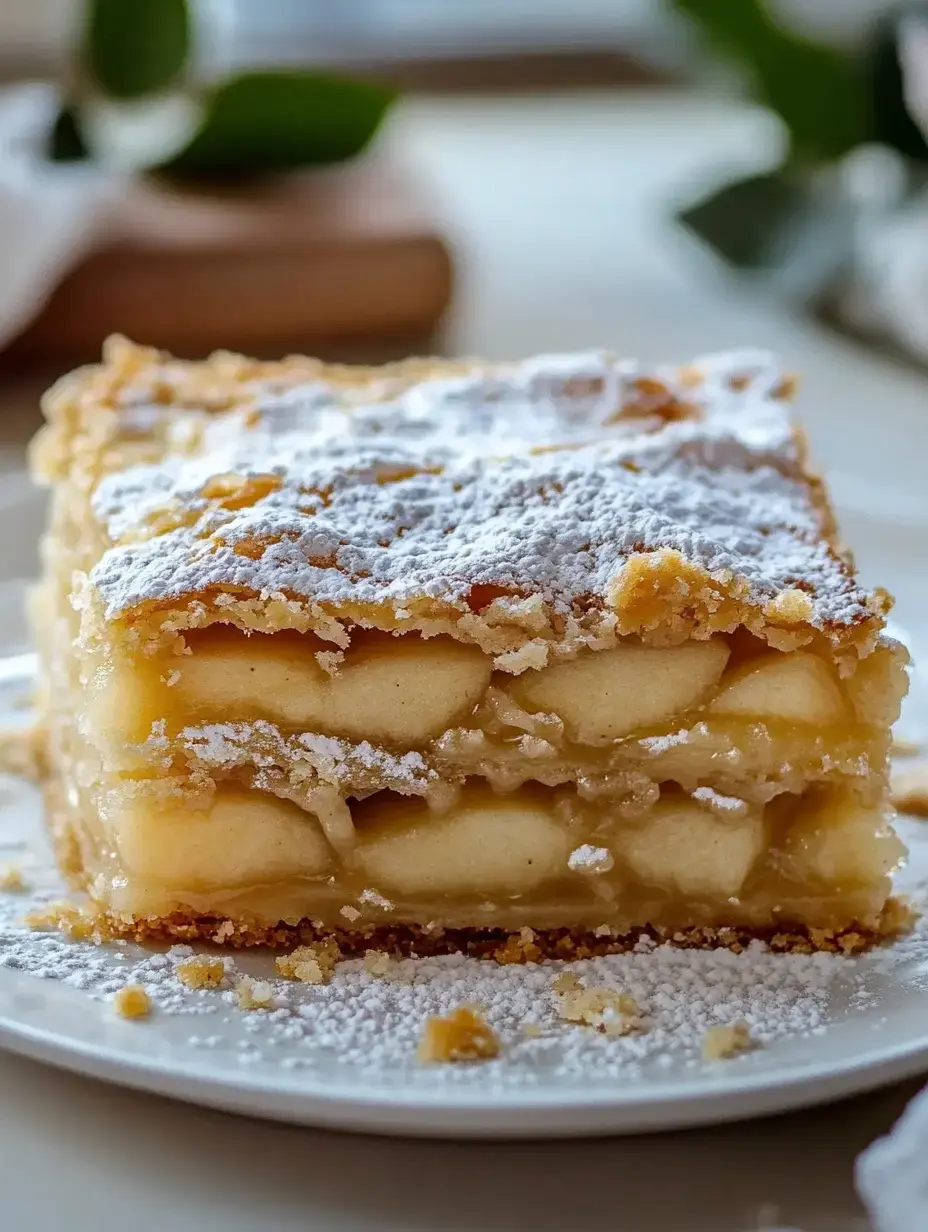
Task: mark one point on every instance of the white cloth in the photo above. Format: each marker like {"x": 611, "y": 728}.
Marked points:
{"x": 50, "y": 213}
{"x": 892, "y": 1174}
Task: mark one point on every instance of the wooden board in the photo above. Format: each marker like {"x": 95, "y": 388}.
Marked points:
{"x": 344, "y": 258}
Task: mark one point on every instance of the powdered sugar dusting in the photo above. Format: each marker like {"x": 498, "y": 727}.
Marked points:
{"x": 589, "y": 859}
{"x": 371, "y": 1023}
{"x": 229, "y": 745}
{"x": 730, "y": 806}
{"x": 542, "y": 478}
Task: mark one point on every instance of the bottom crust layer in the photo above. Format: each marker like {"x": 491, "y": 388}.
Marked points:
{"x": 525, "y": 946}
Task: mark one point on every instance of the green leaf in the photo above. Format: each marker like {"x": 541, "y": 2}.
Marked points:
{"x": 65, "y": 143}
{"x": 775, "y": 225}
{"x": 892, "y": 124}
{"x": 136, "y": 47}
{"x": 264, "y": 122}
{"x": 815, "y": 89}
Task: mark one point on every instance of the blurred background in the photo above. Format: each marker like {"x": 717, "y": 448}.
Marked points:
{"x": 492, "y": 177}
{"x": 369, "y": 178}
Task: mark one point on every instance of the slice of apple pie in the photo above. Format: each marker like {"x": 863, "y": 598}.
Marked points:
{"x": 560, "y": 649}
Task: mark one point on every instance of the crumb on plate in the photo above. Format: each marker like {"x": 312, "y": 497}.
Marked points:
{"x": 727, "y": 1040}
{"x": 614, "y": 1013}
{"x": 377, "y": 962}
{"x": 132, "y": 1002}
{"x": 200, "y": 972}
{"x": 567, "y": 981}
{"x": 254, "y": 994}
{"x": 462, "y": 1035}
{"x": 310, "y": 964}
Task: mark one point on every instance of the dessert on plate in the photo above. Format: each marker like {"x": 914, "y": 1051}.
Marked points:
{"x": 560, "y": 649}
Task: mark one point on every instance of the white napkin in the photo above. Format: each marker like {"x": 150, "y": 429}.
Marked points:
{"x": 50, "y": 213}
{"x": 892, "y": 1174}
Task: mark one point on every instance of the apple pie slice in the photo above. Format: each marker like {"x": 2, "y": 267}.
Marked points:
{"x": 450, "y": 652}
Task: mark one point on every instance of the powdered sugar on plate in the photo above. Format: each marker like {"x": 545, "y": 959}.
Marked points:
{"x": 372, "y": 1022}
{"x": 368, "y": 1019}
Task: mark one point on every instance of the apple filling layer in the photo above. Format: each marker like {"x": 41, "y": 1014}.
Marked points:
{"x": 492, "y": 860}
{"x": 410, "y": 781}
{"x": 747, "y": 711}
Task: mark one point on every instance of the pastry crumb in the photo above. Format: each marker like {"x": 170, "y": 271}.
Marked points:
{"x": 330, "y": 661}
{"x": 350, "y": 913}
{"x": 520, "y": 947}
{"x": 132, "y": 1002}
{"x": 567, "y": 981}
{"x": 254, "y": 994}
{"x": 371, "y": 898}
{"x": 376, "y": 962}
{"x": 75, "y": 923}
{"x": 532, "y": 1030}
{"x": 613, "y": 1013}
{"x": 727, "y": 1040}
{"x": 532, "y": 655}
{"x": 910, "y": 790}
{"x": 225, "y": 932}
{"x": 462, "y": 1035}
{"x": 201, "y": 972}
{"x": 310, "y": 964}
{"x": 12, "y": 880}
{"x": 792, "y": 606}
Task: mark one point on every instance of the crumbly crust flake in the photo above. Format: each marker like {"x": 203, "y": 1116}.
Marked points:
{"x": 560, "y": 944}
{"x": 132, "y": 1002}
{"x": 726, "y": 1040}
{"x": 462, "y": 1035}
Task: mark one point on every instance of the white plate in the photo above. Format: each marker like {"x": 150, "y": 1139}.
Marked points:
{"x": 873, "y": 1030}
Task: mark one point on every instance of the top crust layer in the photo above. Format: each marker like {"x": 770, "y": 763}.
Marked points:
{"x": 562, "y": 499}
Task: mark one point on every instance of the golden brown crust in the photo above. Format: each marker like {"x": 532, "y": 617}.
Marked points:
{"x": 657, "y": 595}
{"x": 566, "y": 944}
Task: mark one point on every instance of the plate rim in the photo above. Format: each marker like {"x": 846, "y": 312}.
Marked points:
{"x": 475, "y": 1113}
